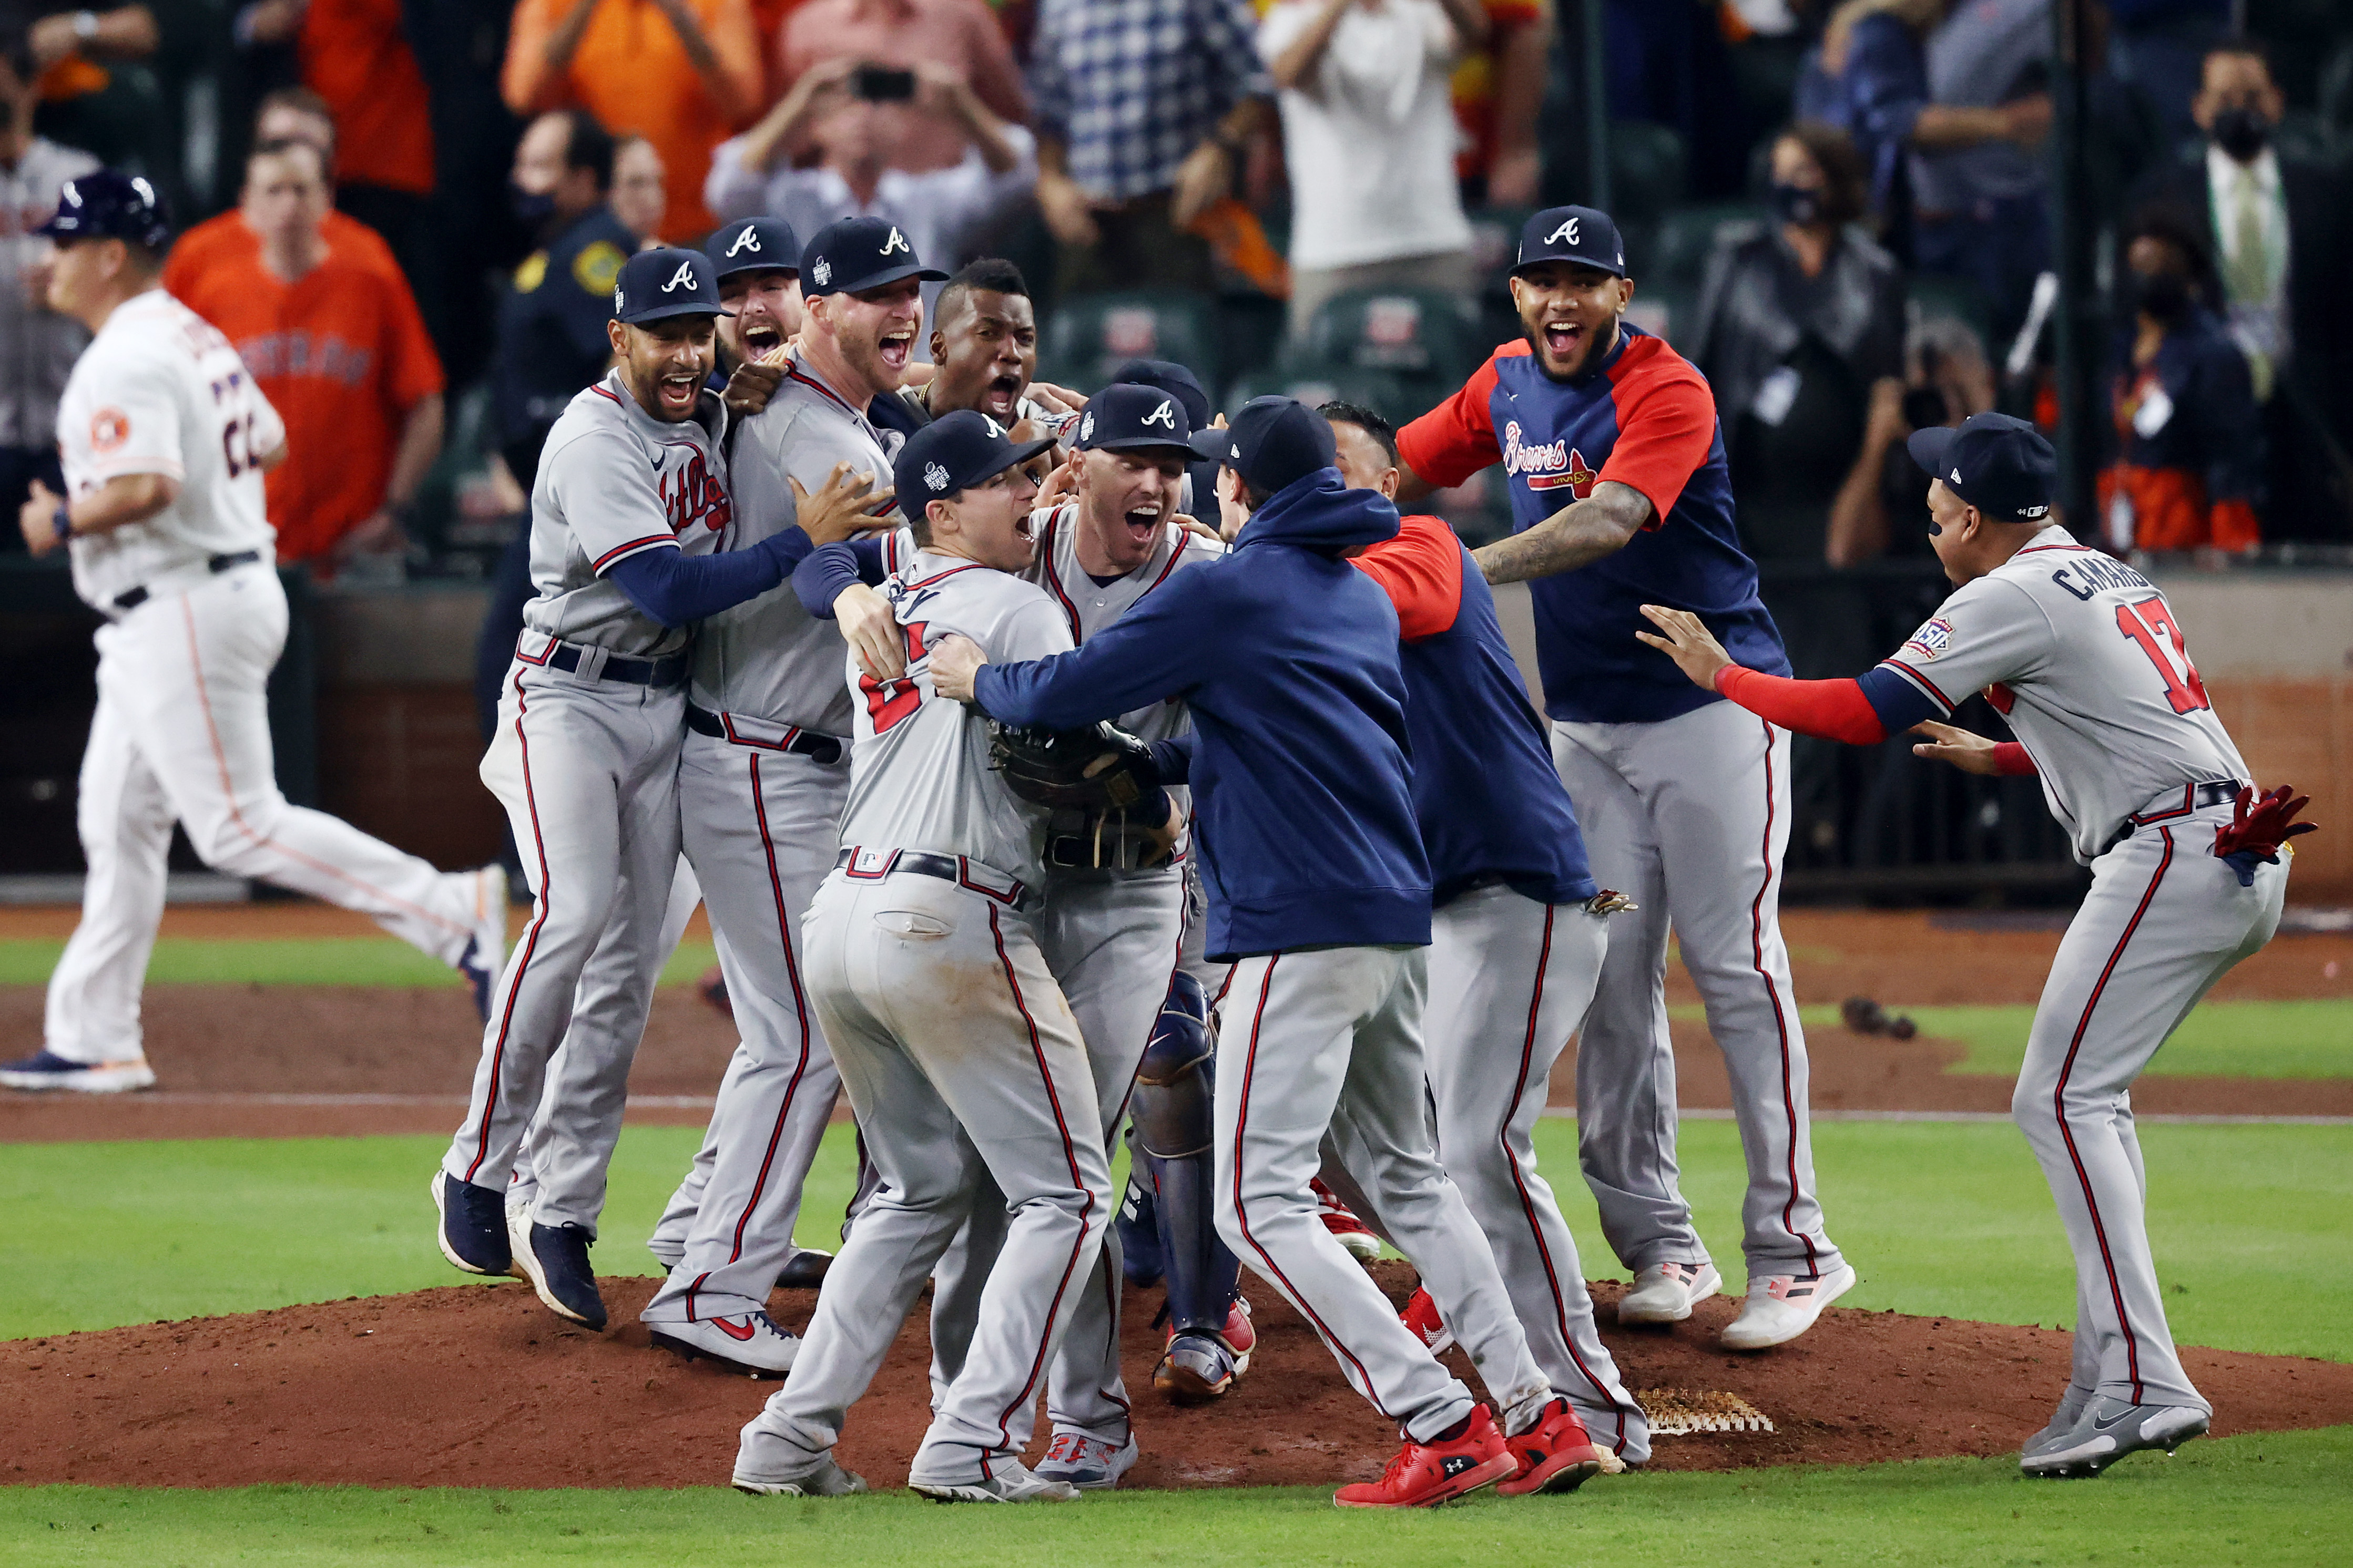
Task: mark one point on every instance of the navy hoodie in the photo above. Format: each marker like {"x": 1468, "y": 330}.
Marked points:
{"x": 1302, "y": 792}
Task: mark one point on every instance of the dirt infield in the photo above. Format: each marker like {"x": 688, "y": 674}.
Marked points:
{"x": 483, "y": 1387}
{"x": 215, "y": 1047}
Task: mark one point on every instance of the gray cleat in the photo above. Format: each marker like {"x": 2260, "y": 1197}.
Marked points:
{"x": 2108, "y": 1430}
{"x": 767, "y": 1466}
{"x": 2062, "y": 1421}
{"x": 1013, "y": 1482}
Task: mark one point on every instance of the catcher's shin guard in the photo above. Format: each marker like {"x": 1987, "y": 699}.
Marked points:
{"x": 1171, "y": 1106}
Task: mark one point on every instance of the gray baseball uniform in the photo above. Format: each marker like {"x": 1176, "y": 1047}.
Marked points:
{"x": 2085, "y": 658}
{"x": 762, "y": 782}
{"x": 587, "y": 769}
{"x": 959, "y": 1053}
{"x": 1110, "y": 938}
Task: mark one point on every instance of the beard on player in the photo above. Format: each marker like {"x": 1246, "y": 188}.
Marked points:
{"x": 1569, "y": 314}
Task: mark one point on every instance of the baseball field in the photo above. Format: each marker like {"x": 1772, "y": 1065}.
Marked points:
{"x": 226, "y": 1335}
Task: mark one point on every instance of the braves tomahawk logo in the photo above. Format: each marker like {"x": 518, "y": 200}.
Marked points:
{"x": 1547, "y": 466}
{"x": 690, "y": 495}
{"x": 747, "y": 240}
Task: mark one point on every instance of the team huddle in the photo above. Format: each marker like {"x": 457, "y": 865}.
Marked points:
{"x": 1060, "y": 769}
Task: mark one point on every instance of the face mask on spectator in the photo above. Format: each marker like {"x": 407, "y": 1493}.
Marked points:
{"x": 532, "y": 208}
{"x": 2164, "y": 296}
{"x": 2240, "y": 131}
{"x": 1796, "y": 204}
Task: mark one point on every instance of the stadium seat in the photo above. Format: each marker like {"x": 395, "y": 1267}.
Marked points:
{"x": 1677, "y": 253}
{"x": 1318, "y": 383}
{"x": 1669, "y": 312}
{"x": 1415, "y": 333}
{"x": 1958, "y": 298}
{"x": 1646, "y": 171}
{"x": 1091, "y": 335}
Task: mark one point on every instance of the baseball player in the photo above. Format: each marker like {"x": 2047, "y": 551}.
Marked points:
{"x": 164, "y": 438}
{"x": 1110, "y": 929}
{"x": 1288, "y": 658}
{"x": 762, "y": 782}
{"x": 1517, "y": 941}
{"x": 2085, "y": 658}
{"x": 959, "y": 1053}
{"x": 628, "y": 514}
{"x": 1620, "y": 498}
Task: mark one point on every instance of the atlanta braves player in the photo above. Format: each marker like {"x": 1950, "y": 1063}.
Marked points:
{"x": 2084, "y": 658}
{"x": 1620, "y": 498}
{"x": 761, "y": 789}
{"x": 630, "y": 503}
{"x": 164, "y": 438}
{"x": 958, "y": 1051}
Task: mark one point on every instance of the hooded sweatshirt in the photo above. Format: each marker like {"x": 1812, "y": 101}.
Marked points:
{"x": 1302, "y": 791}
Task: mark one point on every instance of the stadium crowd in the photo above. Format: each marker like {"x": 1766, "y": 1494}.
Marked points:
{"x": 1840, "y": 209}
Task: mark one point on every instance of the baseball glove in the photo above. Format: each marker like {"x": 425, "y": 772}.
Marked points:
{"x": 1100, "y": 768}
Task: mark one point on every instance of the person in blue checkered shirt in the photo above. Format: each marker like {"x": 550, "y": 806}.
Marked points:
{"x": 1145, "y": 110}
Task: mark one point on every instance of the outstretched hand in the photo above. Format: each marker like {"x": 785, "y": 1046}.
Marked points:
{"x": 848, "y": 504}
{"x": 956, "y": 661}
{"x": 1688, "y": 642}
{"x": 1970, "y": 752}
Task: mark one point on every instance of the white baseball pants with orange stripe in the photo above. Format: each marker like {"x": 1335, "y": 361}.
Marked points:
{"x": 760, "y": 829}
{"x": 1689, "y": 815}
{"x": 1329, "y": 1040}
{"x": 587, "y": 770}
{"x": 181, "y": 733}
{"x": 2164, "y": 921}
{"x": 963, "y": 1062}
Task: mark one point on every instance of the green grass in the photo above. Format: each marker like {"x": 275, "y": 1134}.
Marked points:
{"x": 380, "y": 960}
{"x": 2221, "y": 1039}
{"x": 1938, "y": 1218}
{"x": 2275, "y": 1497}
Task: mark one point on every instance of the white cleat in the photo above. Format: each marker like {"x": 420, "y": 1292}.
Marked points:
{"x": 1013, "y": 1482}
{"x": 751, "y": 1345}
{"x": 767, "y": 1466}
{"x": 1666, "y": 1292}
{"x": 1088, "y": 1463}
{"x": 1783, "y": 1306}
{"x": 46, "y": 1072}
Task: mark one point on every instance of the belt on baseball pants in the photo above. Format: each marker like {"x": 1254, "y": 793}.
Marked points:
{"x": 657, "y": 673}
{"x": 2181, "y": 802}
{"x": 132, "y": 598}
{"x": 797, "y": 742}
{"x": 864, "y": 865}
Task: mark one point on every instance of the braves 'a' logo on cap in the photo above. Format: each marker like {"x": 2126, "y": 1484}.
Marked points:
{"x": 1957, "y": 476}
{"x": 994, "y": 427}
{"x": 897, "y": 242}
{"x": 747, "y": 240}
{"x": 822, "y": 273}
{"x": 935, "y": 475}
{"x": 685, "y": 274}
{"x": 1165, "y": 416}
{"x": 1565, "y": 232}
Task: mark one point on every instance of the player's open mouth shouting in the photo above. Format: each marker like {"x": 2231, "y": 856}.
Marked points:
{"x": 1001, "y": 396}
{"x": 678, "y": 389}
{"x": 897, "y": 346}
{"x": 762, "y": 335}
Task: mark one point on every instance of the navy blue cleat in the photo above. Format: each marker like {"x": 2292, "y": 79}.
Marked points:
{"x": 46, "y": 1072}
{"x": 472, "y": 1229}
{"x": 554, "y": 1258}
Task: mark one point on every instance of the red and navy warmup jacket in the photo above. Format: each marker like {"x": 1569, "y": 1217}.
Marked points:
{"x": 1491, "y": 806}
{"x": 1644, "y": 417}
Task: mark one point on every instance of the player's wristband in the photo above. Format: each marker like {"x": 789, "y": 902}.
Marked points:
{"x": 2010, "y": 760}
{"x": 61, "y": 520}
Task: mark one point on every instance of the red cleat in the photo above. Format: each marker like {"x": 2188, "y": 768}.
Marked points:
{"x": 1421, "y": 1315}
{"x": 1425, "y": 1474}
{"x": 1555, "y": 1454}
{"x": 1342, "y": 1222}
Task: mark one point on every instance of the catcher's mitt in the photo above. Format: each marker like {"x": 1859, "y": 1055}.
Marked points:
{"x": 1100, "y": 768}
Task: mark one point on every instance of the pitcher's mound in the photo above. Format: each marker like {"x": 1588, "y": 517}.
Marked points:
{"x": 481, "y": 1386}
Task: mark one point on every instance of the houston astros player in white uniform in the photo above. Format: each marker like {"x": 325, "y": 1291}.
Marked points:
{"x": 163, "y": 439}
{"x": 1620, "y": 497}
{"x": 2084, "y": 658}
{"x": 1111, "y": 926}
{"x": 957, "y": 1050}
{"x": 630, "y": 506}
{"x": 763, "y": 781}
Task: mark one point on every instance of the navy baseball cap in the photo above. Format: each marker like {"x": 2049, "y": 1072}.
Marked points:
{"x": 1128, "y": 417}
{"x": 753, "y": 244}
{"x": 952, "y": 452}
{"x": 857, "y": 254}
{"x": 656, "y": 285}
{"x": 107, "y": 204}
{"x": 1582, "y": 235}
{"x": 1998, "y": 464}
{"x": 1272, "y": 442}
{"x": 1172, "y": 378}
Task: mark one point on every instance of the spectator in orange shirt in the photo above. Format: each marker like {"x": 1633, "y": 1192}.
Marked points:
{"x": 960, "y": 35}
{"x": 227, "y": 239}
{"x": 681, "y": 73}
{"x": 339, "y": 349}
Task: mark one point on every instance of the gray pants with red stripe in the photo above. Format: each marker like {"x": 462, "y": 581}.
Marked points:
{"x": 1328, "y": 1041}
{"x": 1689, "y": 815}
{"x": 963, "y": 1062}
{"x": 2164, "y": 921}
{"x": 587, "y": 771}
{"x": 758, "y": 826}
